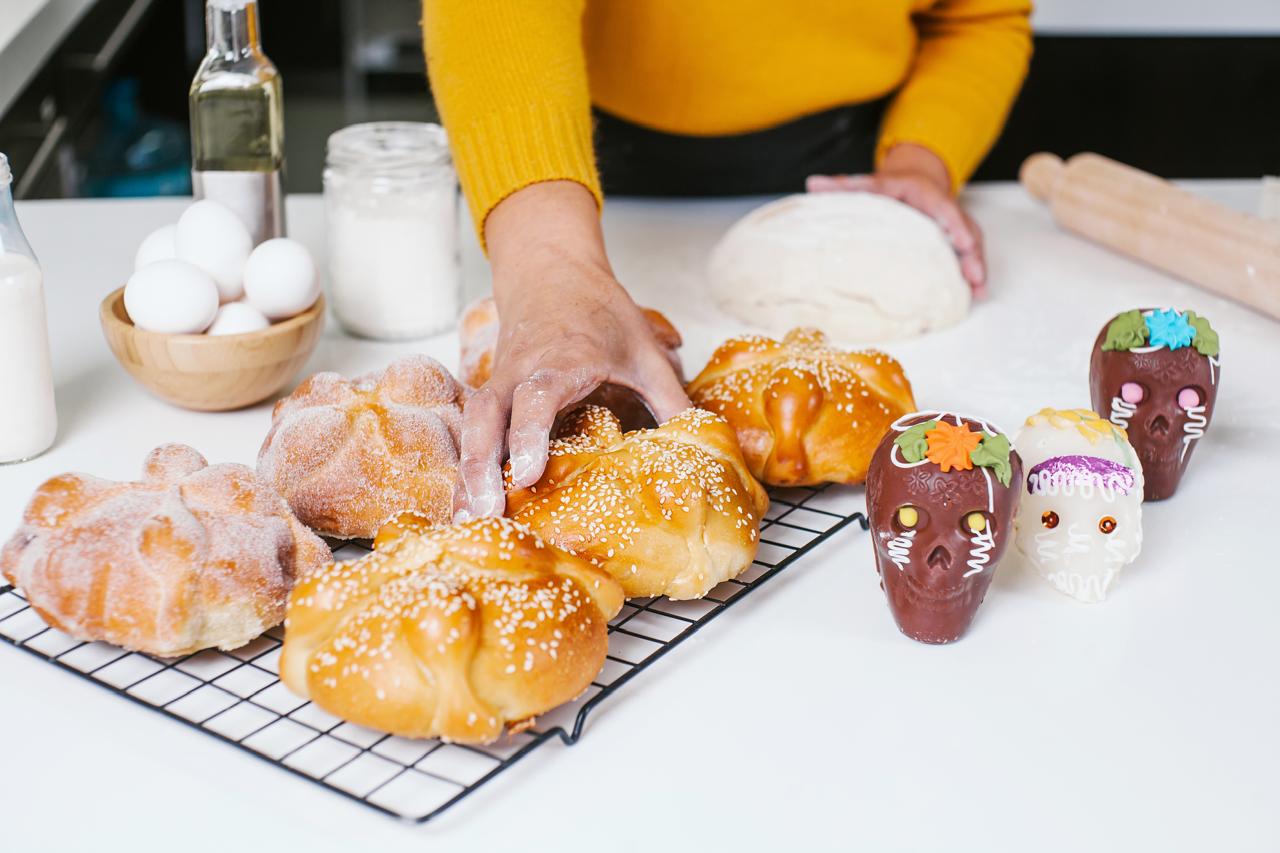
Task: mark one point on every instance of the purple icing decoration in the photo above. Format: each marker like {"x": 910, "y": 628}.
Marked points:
{"x": 1081, "y": 469}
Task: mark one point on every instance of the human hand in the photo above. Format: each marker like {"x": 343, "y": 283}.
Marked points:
{"x": 566, "y": 327}
{"x": 916, "y": 176}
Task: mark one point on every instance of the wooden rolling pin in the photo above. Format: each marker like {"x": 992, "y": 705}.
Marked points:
{"x": 1140, "y": 215}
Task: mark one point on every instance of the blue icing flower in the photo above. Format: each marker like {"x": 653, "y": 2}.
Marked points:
{"x": 1170, "y": 329}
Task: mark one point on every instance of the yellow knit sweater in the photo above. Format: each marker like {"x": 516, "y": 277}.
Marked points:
{"x": 514, "y": 79}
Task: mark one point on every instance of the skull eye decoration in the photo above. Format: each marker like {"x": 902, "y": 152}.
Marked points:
{"x": 941, "y": 491}
{"x": 1154, "y": 373}
{"x": 1132, "y": 393}
{"x": 1085, "y": 485}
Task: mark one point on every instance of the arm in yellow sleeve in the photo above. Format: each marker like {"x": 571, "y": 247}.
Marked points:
{"x": 510, "y": 80}
{"x": 969, "y": 65}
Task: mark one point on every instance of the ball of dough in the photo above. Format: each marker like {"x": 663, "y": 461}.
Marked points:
{"x": 280, "y": 279}
{"x": 237, "y": 318}
{"x": 861, "y": 267}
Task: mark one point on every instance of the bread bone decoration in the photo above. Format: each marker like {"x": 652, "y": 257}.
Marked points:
{"x": 350, "y": 455}
{"x": 478, "y": 337}
{"x": 668, "y": 511}
{"x": 190, "y": 557}
{"x": 1080, "y": 521}
{"x": 1155, "y": 374}
{"x": 450, "y": 631}
{"x": 941, "y": 497}
{"x": 804, "y": 412}
{"x": 862, "y": 266}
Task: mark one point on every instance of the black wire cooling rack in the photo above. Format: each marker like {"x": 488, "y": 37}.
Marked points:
{"x": 237, "y": 696}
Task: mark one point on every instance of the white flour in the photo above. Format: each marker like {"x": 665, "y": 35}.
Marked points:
{"x": 393, "y": 265}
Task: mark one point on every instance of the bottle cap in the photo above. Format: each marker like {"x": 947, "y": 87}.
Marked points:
{"x": 6, "y": 176}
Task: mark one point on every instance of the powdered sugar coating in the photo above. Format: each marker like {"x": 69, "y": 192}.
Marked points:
{"x": 189, "y": 557}
{"x": 804, "y": 412}
{"x": 348, "y": 455}
{"x": 449, "y": 631}
{"x": 667, "y": 511}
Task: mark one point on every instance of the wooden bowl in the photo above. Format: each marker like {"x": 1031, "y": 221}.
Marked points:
{"x": 212, "y": 373}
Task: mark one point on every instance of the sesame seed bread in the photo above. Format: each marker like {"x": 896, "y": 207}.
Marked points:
{"x": 351, "y": 454}
{"x": 190, "y": 557}
{"x": 451, "y": 631}
{"x": 667, "y": 511}
{"x": 805, "y": 412}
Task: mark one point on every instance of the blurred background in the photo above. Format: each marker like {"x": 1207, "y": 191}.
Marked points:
{"x": 93, "y": 93}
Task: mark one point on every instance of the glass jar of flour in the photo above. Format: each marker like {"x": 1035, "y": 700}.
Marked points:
{"x": 391, "y": 208}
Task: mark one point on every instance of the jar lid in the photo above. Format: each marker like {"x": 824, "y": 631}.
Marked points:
{"x": 389, "y": 147}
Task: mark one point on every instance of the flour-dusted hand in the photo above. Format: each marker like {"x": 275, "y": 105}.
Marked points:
{"x": 916, "y": 176}
{"x": 567, "y": 327}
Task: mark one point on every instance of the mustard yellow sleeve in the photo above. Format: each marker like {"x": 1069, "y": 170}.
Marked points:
{"x": 970, "y": 63}
{"x": 510, "y": 80}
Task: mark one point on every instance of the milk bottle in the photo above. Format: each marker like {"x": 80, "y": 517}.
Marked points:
{"x": 28, "y": 420}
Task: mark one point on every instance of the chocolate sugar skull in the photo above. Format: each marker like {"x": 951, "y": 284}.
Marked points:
{"x": 941, "y": 496}
{"x": 1080, "y": 520}
{"x": 1155, "y": 374}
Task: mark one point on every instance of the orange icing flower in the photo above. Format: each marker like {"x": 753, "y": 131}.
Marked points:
{"x": 950, "y": 446}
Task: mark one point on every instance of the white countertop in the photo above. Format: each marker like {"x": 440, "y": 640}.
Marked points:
{"x": 801, "y": 719}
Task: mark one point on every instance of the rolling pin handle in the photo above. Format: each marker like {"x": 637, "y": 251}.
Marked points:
{"x": 1040, "y": 173}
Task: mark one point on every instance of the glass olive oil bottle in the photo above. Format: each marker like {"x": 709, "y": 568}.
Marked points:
{"x": 237, "y": 120}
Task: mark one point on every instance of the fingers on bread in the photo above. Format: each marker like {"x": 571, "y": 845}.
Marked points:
{"x": 667, "y": 511}
{"x": 478, "y": 336}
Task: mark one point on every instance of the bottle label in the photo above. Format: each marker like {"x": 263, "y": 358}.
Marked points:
{"x": 256, "y": 197}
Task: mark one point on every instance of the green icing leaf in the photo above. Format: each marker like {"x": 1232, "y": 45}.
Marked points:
{"x": 912, "y": 443}
{"x": 1126, "y": 331}
{"x": 993, "y": 452}
{"x": 1206, "y": 339}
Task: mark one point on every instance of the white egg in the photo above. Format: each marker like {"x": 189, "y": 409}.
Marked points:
{"x": 159, "y": 245}
{"x": 280, "y": 279}
{"x": 236, "y": 318}
{"x": 172, "y": 297}
{"x": 214, "y": 239}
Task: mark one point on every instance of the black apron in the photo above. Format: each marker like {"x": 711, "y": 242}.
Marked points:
{"x": 635, "y": 160}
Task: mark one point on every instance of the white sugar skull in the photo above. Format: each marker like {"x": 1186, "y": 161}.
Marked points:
{"x": 1080, "y": 520}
